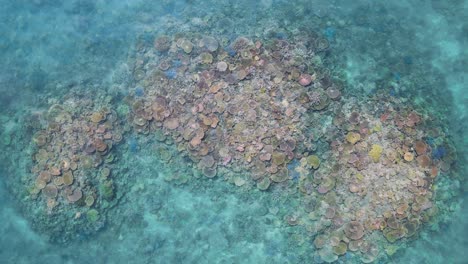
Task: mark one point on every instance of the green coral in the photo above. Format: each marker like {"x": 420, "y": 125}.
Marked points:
{"x": 264, "y": 184}
{"x": 92, "y": 215}
{"x": 376, "y": 152}
{"x": 411, "y": 228}
{"x": 109, "y": 158}
{"x": 281, "y": 176}
{"x": 123, "y": 110}
{"x": 359, "y": 177}
{"x": 353, "y": 137}
{"x": 164, "y": 153}
{"x": 377, "y": 128}
{"x": 278, "y": 158}
{"x": 340, "y": 249}
{"x": 206, "y": 58}
{"x": 107, "y": 189}
{"x": 391, "y": 250}
{"x": 313, "y": 161}
{"x": 87, "y": 162}
{"x": 392, "y": 235}
{"x": 177, "y": 177}
{"x": 6, "y": 139}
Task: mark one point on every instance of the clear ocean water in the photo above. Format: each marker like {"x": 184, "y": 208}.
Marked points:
{"x": 197, "y": 131}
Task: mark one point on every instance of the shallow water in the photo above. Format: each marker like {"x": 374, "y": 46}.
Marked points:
{"x": 156, "y": 206}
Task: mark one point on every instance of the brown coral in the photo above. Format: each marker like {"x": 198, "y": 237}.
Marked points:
{"x": 420, "y": 147}
{"x": 171, "y": 123}
{"x": 67, "y": 178}
{"x": 320, "y": 241}
{"x": 207, "y": 161}
{"x": 58, "y": 181}
{"x": 55, "y": 171}
{"x": 89, "y": 148}
{"x": 75, "y": 195}
{"x": 97, "y": 117}
{"x": 209, "y": 172}
{"x": 280, "y": 176}
{"x": 354, "y": 230}
{"x": 44, "y": 176}
{"x": 100, "y": 145}
{"x": 408, "y": 156}
{"x": 50, "y": 191}
{"x": 206, "y": 58}
{"x": 278, "y": 158}
{"x": 424, "y": 161}
{"x": 40, "y": 184}
{"x": 162, "y": 43}
{"x": 40, "y": 138}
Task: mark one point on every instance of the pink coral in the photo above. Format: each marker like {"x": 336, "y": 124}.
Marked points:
{"x": 305, "y": 79}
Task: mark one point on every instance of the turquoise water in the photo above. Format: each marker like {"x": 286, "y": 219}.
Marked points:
{"x": 152, "y": 190}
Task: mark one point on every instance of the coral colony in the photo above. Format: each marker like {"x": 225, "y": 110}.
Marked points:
{"x": 257, "y": 114}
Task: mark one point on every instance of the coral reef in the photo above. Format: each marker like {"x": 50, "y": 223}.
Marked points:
{"x": 73, "y": 159}
{"x": 232, "y": 112}
{"x": 247, "y": 111}
{"x": 258, "y": 114}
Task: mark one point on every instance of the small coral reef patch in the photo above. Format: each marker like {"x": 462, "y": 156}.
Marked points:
{"x": 72, "y": 164}
{"x": 372, "y": 193}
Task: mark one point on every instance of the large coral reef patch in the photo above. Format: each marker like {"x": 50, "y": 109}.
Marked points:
{"x": 234, "y": 110}
{"x": 260, "y": 114}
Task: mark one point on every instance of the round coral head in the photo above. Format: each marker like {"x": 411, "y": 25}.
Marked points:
{"x": 354, "y": 230}
{"x": 305, "y": 79}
